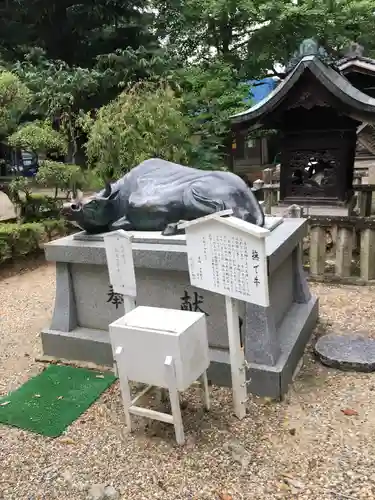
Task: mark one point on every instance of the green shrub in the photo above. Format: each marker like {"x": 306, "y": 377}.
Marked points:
{"x": 18, "y": 240}
{"x": 55, "y": 227}
{"x": 92, "y": 181}
{"x": 60, "y": 176}
{"x": 32, "y": 207}
{"x": 15, "y": 98}
{"x": 37, "y": 207}
{"x": 5, "y": 248}
{"x": 144, "y": 121}
{"x": 38, "y": 136}
{"x": 17, "y": 186}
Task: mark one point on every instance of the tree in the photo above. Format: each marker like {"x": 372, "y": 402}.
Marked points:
{"x": 253, "y": 35}
{"x": 210, "y": 93}
{"x": 74, "y": 32}
{"x": 61, "y": 93}
{"x": 144, "y": 121}
{"x": 38, "y": 137}
{"x": 15, "y": 99}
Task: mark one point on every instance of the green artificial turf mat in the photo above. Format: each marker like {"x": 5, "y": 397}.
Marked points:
{"x": 48, "y": 403}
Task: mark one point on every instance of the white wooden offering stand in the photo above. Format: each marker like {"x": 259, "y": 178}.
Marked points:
{"x": 147, "y": 335}
{"x": 227, "y": 255}
{"x": 159, "y": 347}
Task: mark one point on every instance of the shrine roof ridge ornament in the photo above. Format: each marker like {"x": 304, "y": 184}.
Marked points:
{"x": 309, "y": 47}
{"x": 225, "y": 217}
{"x": 362, "y": 106}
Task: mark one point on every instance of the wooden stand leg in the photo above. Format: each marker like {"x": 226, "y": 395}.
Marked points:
{"x": 124, "y": 386}
{"x": 206, "y": 393}
{"x": 175, "y": 400}
{"x": 236, "y": 358}
{"x": 129, "y": 305}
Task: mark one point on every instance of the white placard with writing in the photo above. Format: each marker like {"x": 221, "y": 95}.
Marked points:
{"x": 228, "y": 260}
{"x": 118, "y": 248}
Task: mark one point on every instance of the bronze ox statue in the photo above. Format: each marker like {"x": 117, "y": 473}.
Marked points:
{"x": 157, "y": 194}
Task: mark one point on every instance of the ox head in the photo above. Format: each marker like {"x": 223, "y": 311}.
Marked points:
{"x": 92, "y": 213}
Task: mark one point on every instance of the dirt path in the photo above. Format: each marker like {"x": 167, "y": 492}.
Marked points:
{"x": 304, "y": 447}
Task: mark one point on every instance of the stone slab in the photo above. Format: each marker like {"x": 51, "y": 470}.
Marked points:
{"x": 169, "y": 252}
{"x": 270, "y": 223}
{"x": 347, "y": 352}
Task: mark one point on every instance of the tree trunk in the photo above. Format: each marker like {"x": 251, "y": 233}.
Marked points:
{"x": 226, "y": 35}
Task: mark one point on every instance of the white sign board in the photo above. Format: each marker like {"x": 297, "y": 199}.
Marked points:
{"x": 118, "y": 248}
{"x": 227, "y": 256}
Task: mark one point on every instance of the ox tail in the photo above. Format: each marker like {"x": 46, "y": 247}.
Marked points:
{"x": 257, "y": 213}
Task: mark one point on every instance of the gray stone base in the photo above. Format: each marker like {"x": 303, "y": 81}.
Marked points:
{"x": 80, "y": 344}
{"x": 274, "y": 337}
{"x": 84, "y": 344}
{"x": 295, "y": 332}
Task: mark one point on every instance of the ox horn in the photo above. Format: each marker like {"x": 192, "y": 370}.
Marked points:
{"x": 107, "y": 191}
{"x": 79, "y": 195}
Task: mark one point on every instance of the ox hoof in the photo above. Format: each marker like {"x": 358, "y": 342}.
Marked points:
{"x": 172, "y": 230}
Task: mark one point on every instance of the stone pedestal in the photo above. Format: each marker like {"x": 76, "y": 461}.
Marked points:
{"x": 274, "y": 337}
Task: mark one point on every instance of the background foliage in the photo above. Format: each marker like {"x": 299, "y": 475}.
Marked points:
{"x": 144, "y": 121}
{"x": 15, "y": 99}
{"x": 109, "y": 83}
{"x": 74, "y": 58}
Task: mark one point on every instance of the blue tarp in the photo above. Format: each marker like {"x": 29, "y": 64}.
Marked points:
{"x": 259, "y": 89}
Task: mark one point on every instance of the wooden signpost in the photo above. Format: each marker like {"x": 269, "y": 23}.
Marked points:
{"x": 119, "y": 253}
{"x": 118, "y": 248}
{"x": 227, "y": 255}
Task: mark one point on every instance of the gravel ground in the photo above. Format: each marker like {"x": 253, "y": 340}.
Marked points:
{"x": 304, "y": 447}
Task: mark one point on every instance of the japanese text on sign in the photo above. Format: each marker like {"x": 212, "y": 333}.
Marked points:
{"x": 229, "y": 262}
{"x": 120, "y": 263}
